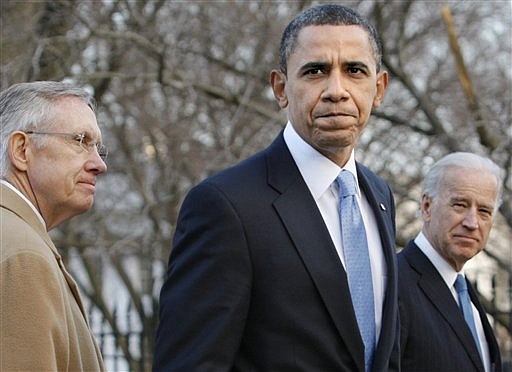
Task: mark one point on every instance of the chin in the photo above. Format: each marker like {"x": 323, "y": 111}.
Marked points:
{"x": 335, "y": 145}
{"x": 84, "y": 206}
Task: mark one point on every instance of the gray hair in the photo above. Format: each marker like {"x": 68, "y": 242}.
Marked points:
{"x": 326, "y": 14}
{"x": 30, "y": 106}
{"x": 465, "y": 160}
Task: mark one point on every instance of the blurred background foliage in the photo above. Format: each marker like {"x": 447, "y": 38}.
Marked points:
{"x": 183, "y": 92}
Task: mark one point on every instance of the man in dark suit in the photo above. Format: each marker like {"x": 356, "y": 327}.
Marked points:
{"x": 257, "y": 275}
{"x": 460, "y": 197}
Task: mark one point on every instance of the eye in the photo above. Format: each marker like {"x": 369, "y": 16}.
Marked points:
{"x": 79, "y": 137}
{"x": 485, "y": 212}
{"x": 355, "y": 70}
{"x": 459, "y": 206}
{"x": 315, "y": 71}
{"x": 87, "y": 141}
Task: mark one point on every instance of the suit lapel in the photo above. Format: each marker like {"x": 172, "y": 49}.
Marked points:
{"x": 13, "y": 202}
{"x": 72, "y": 285}
{"x": 384, "y": 214}
{"x": 298, "y": 210}
{"x": 385, "y": 217}
{"x": 494, "y": 353}
{"x": 435, "y": 289}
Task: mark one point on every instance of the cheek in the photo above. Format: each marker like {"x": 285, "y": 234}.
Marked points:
{"x": 485, "y": 230}
{"x": 41, "y": 177}
{"x": 60, "y": 180}
{"x": 302, "y": 97}
{"x": 441, "y": 228}
{"x": 300, "y": 111}
{"x": 364, "y": 105}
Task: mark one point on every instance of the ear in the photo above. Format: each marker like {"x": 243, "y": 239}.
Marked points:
{"x": 278, "y": 83}
{"x": 17, "y": 148}
{"x": 426, "y": 207}
{"x": 382, "y": 84}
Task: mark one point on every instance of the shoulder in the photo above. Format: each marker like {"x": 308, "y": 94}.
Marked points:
{"x": 255, "y": 167}
{"x": 405, "y": 254}
{"x": 25, "y": 254}
{"x": 250, "y": 175}
{"x": 18, "y": 236}
{"x": 29, "y": 271}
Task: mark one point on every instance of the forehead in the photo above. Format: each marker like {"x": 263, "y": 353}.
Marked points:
{"x": 73, "y": 114}
{"x": 323, "y": 41}
{"x": 478, "y": 185}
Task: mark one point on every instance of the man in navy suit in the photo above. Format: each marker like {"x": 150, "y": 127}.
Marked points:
{"x": 256, "y": 278}
{"x": 460, "y": 197}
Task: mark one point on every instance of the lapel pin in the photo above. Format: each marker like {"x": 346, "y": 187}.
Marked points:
{"x": 382, "y": 206}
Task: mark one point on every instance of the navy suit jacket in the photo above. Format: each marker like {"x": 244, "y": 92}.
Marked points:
{"x": 434, "y": 335}
{"x": 254, "y": 281}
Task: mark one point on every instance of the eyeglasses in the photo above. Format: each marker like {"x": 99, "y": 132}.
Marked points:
{"x": 81, "y": 139}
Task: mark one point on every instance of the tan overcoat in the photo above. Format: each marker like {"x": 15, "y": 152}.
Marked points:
{"x": 43, "y": 324}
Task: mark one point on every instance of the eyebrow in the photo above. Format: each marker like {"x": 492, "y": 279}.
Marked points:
{"x": 357, "y": 64}
{"x": 324, "y": 65}
{"x": 462, "y": 199}
{"x": 314, "y": 65}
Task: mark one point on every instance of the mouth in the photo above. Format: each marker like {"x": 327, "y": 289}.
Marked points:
{"x": 333, "y": 114}
{"x": 334, "y": 121}
{"x": 89, "y": 184}
{"x": 466, "y": 238}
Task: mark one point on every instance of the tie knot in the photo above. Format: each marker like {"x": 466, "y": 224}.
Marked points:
{"x": 346, "y": 183}
{"x": 460, "y": 284}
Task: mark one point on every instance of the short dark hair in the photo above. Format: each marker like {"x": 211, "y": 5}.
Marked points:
{"x": 326, "y": 14}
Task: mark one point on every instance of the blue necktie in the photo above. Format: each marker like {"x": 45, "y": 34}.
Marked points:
{"x": 357, "y": 263}
{"x": 465, "y": 305}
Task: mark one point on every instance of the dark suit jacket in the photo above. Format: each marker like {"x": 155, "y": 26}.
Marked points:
{"x": 254, "y": 281}
{"x": 434, "y": 335}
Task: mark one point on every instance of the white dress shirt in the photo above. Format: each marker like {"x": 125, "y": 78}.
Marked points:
{"x": 319, "y": 174}
{"x": 449, "y": 276}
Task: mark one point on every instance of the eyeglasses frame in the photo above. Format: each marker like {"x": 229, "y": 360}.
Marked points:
{"x": 80, "y": 137}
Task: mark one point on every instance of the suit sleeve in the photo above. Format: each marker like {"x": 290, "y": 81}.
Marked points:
{"x": 32, "y": 312}
{"x": 205, "y": 298}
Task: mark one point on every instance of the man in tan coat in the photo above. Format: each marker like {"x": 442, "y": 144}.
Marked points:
{"x": 51, "y": 155}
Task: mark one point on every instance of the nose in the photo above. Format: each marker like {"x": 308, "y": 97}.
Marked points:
{"x": 95, "y": 163}
{"x": 335, "y": 88}
{"x": 102, "y": 168}
{"x": 470, "y": 220}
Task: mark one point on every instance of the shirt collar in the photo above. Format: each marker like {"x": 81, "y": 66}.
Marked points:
{"x": 318, "y": 171}
{"x": 445, "y": 270}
